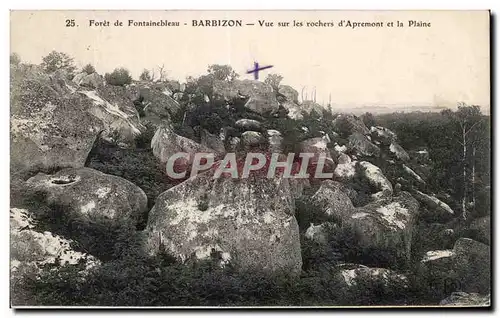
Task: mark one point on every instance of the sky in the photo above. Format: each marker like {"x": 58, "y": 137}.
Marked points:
{"x": 439, "y": 65}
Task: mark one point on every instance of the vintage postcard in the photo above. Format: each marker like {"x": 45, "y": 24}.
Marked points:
{"x": 250, "y": 159}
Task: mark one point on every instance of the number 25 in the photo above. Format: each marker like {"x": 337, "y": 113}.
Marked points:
{"x": 70, "y": 23}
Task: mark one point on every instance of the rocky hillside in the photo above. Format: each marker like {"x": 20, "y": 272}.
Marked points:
{"x": 93, "y": 210}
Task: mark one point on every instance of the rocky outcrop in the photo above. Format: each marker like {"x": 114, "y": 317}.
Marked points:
{"x": 462, "y": 299}
{"x": 362, "y": 146}
{"x": 383, "y": 135}
{"x": 358, "y": 276}
{"x": 441, "y": 209}
{"x": 345, "y": 169}
{"x": 249, "y": 222}
{"x": 248, "y": 124}
{"x": 376, "y": 179}
{"x": 156, "y": 99}
{"x": 346, "y": 124}
{"x": 166, "y": 143}
{"x": 51, "y": 124}
{"x": 289, "y": 92}
{"x": 399, "y": 152}
{"x": 333, "y": 201}
{"x": 30, "y": 249}
{"x": 91, "y": 196}
{"x": 260, "y": 96}
{"x": 386, "y": 226}
{"x": 92, "y": 81}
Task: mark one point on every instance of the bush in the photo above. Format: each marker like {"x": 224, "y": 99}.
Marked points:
{"x": 89, "y": 69}
{"x": 15, "y": 59}
{"x": 119, "y": 77}
{"x": 55, "y": 61}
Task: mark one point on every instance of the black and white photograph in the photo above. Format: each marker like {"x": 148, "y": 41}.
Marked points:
{"x": 250, "y": 159}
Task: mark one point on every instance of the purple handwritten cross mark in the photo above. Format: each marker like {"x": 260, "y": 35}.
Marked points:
{"x": 257, "y": 69}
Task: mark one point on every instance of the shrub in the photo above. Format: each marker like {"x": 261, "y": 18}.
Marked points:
{"x": 55, "y": 61}
{"x": 89, "y": 69}
{"x": 145, "y": 75}
{"x": 15, "y": 59}
{"x": 119, "y": 77}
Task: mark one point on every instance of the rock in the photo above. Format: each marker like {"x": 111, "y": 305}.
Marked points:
{"x": 51, "y": 124}
{"x": 294, "y": 110}
{"x": 472, "y": 263}
{"x": 290, "y": 93}
{"x": 212, "y": 141}
{"x": 275, "y": 141}
{"x": 481, "y": 228}
{"x": 261, "y": 96}
{"x": 377, "y": 180}
{"x": 366, "y": 277}
{"x": 383, "y": 135}
{"x": 462, "y": 299}
{"x": 333, "y": 201}
{"x": 121, "y": 120}
{"x": 91, "y": 196}
{"x": 252, "y": 138}
{"x": 412, "y": 174}
{"x": 155, "y": 98}
{"x": 92, "y": 81}
{"x": 346, "y": 125}
{"x": 30, "y": 249}
{"x": 248, "y": 124}
{"x": 166, "y": 143}
{"x": 386, "y": 226}
{"x": 399, "y": 152}
{"x": 442, "y": 209}
{"x": 308, "y": 106}
{"x": 319, "y": 147}
{"x": 249, "y": 221}
{"x": 345, "y": 169}
{"x": 437, "y": 268}
{"x": 297, "y": 186}
{"x": 233, "y": 144}
{"x": 362, "y": 146}
{"x": 421, "y": 156}
{"x": 319, "y": 233}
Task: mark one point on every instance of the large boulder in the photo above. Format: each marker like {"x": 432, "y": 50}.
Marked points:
{"x": 91, "y": 196}
{"x": 352, "y": 277}
{"x": 462, "y": 299}
{"x": 362, "y": 146}
{"x": 346, "y": 124}
{"x": 441, "y": 209}
{"x": 31, "y": 249}
{"x": 399, "y": 152}
{"x": 386, "y": 226}
{"x": 261, "y": 96}
{"x": 472, "y": 263}
{"x": 333, "y": 201}
{"x": 376, "y": 179}
{"x": 248, "y": 124}
{"x": 293, "y": 109}
{"x": 156, "y": 99}
{"x": 319, "y": 147}
{"x": 51, "y": 124}
{"x": 252, "y": 139}
{"x": 289, "y": 92}
{"x": 92, "y": 81}
{"x": 166, "y": 143}
{"x": 345, "y": 169}
{"x": 249, "y": 222}
{"x": 117, "y": 112}
{"x": 383, "y": 135}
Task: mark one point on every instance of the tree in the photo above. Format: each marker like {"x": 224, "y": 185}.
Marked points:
{"x": 119, "y": 77}
{"x": 89, "y": 69}
{"x": 273, "y": 80}
{"x": 467, "y": 120}
{"x": 222, "y": 72}
{"x": 145, "y": 75}
{"x": 55, "y": 61}
{"x": 368, "y": 119}
{"x": 15, "y": 59}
